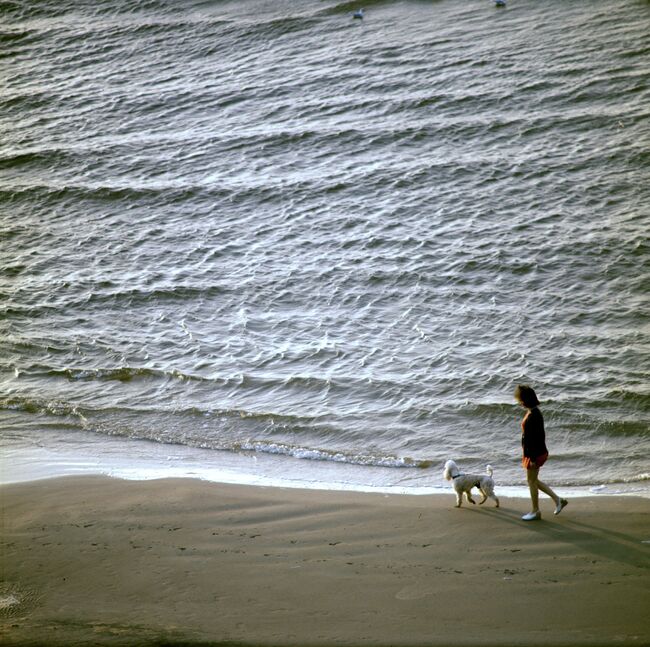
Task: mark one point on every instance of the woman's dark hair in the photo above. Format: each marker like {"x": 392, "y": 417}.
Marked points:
{"x": 526, "y": 395}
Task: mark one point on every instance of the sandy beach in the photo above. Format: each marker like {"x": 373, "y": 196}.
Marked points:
{"x": 99, "y": 561}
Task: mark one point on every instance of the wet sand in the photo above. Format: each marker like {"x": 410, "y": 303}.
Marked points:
{"x": 99, "y": 561}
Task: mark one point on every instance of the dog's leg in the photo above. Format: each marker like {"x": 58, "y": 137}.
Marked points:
{"x": 459, "y": 499}
{"x": 484, "y": 495}
{"x": 468, "y": 494}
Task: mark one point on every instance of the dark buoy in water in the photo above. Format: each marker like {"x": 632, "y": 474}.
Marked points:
{"x": 499, "y": 3}
{"x": 358, "y": 14}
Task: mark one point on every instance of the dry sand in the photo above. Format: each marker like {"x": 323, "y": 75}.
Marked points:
{"x": 92, "y": 560}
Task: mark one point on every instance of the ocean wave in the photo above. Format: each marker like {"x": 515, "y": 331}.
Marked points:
{"x": 350, "y": 6}
{"x": 195, "y": 415}
{"x": 275, "y": 26}
{"x": 9, "y": 37}
{"x": 641, "y": 477}
{"x": 222, "y": 430}
{"x": 487, "y": 409}
{"x": 621, "y": 428}
{"x": 154, "y": 194}
{"x": 299, "y": 452}
{"x": 129, "y": 374}
{"x": 637, "y": 478}
{"x": 35, "y": 158}
{"x": 137, "y": 425}
{"x": 22, "y": 102}
{"x": 10, "y": 271}
{"x": 44, "y": 9}
{"x": 121, "y": 374}
{"x": 103, "y": 296}
{"x": 241, "y": 381}
{"x": 638, "y": 399}
{"x": 313, "y": 454}
{"x": 14, "y": 10}
{"x": 48, "y": 193}
{"x": 33, "y": 405}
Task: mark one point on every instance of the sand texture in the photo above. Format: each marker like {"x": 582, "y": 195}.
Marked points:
{"x": 97, "y": 561}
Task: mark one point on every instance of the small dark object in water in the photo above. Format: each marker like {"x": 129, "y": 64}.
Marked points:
{"x": 358, "y": 14}
{"x": 499, "y": 3}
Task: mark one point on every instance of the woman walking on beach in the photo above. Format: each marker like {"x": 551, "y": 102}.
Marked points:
{"x": 533, "y": 442}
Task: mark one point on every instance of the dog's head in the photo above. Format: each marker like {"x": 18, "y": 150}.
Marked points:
{"x": 451, "y": 470}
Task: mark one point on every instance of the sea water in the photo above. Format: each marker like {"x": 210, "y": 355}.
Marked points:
{"x": 266, "y": 242}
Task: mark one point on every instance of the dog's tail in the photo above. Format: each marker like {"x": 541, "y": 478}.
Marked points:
{"x": 489, "y": 470}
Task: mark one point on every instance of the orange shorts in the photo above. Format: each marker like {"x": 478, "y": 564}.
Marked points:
{"x": 539, "y": 461}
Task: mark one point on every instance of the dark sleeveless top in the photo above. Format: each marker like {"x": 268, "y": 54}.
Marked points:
{"x": 533, "y": 437}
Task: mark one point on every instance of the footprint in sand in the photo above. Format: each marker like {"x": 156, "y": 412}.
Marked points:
{"x": 8, "y": 601}
{"x": 15, "y": 599}
{"x": 414, "y": 592}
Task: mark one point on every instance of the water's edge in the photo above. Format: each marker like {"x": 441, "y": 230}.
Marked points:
{"x": 35, "y": 464}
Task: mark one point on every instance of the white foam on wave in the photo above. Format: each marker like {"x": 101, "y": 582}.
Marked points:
{"x": 307, "y": 453}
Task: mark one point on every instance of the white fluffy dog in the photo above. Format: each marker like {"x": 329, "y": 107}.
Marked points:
{"x": 463, "y": 483}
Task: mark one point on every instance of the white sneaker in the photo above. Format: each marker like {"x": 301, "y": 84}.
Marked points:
{"x": 558, "y": 508}
{"x": 532, "y": 516}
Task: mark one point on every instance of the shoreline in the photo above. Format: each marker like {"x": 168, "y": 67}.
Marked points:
{"x": 104, "y": 561}
{"x": 150, "y": 461}
{"x": 216, "y": 477}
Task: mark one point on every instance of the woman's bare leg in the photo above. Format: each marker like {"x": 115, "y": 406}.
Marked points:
{"x": 535, "y": 485}
{"x": 547, "y": 490}
{"x": 531, "y": 477}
